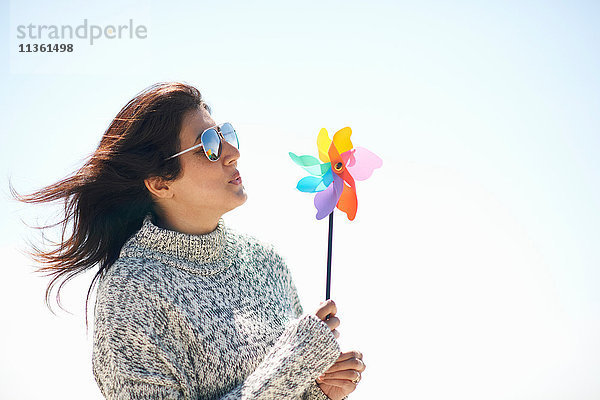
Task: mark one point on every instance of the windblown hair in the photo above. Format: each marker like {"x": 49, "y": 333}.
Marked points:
{"x": 105, "y": 201}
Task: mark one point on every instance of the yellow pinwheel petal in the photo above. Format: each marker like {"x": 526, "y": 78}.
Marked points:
{"x": 341, "y": 140}
{"x": 323, "y": 143}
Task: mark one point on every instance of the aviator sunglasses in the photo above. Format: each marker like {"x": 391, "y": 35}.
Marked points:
{"x": 210, "y": 140}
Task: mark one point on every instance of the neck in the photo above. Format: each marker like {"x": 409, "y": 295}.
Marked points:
{"x": 205, "y": 254}
{"x": 189, "y": 224}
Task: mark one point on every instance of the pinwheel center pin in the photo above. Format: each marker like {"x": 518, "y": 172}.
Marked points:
{"x": 335, "y": 190}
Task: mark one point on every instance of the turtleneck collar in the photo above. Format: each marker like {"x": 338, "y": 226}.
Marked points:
{"x": 205, "y": 254}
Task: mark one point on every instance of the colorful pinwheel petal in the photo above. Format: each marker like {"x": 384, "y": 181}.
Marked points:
{"x": 333, "y": 179}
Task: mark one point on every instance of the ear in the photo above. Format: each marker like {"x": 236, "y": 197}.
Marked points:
{"x": 158, "y": 187}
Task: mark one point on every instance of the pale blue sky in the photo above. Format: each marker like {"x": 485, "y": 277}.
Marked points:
{"x": 475, "y": 249}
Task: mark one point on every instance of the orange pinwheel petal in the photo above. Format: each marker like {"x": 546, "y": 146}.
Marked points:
{"x": 348, "y": 202}
{"x": 338, "y": 165}
{"x": 337, "y": 162}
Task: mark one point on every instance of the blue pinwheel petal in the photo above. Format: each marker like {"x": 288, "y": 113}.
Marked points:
{"x": 312, "y": 184}
{"x": 327, "y": 177}
{"x": 309, "y": 184}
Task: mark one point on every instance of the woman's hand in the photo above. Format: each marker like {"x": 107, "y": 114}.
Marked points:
{"x": 341, "y": 379}
{"x": 328, "y": 309}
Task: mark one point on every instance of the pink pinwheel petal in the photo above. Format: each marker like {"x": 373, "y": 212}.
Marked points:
{"x": 348, "y": 155}
{"x": 326, "y": 200}
{"x": 361, "y": 163}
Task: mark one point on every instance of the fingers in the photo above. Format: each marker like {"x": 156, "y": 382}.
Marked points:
{"x": 350, "y": 354}
{"x": 332, "y": 322}
{"x": 347, "y": 374}
{"x": 326, "y": 308}
{"x": 345, "y": 379}
{"x": 329, "y": 309}
{"x": 352, "y": 363}
{"x": 346, "y": 385}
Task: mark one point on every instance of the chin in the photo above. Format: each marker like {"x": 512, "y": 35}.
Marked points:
{"x": 239, "y": 200}
{"x": 243, "y": 199}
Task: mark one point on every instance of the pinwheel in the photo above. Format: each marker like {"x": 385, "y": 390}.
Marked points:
{"x": 334, "y": 179}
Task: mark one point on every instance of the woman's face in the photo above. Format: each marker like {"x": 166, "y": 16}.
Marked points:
{"x": 205, "y": 189}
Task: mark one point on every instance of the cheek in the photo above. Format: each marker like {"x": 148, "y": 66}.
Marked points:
{"x": 201, "y": 180}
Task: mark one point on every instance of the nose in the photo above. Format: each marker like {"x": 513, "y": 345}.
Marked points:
{"x": 230, "y": 153}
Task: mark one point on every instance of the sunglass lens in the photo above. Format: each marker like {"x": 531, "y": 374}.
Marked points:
{"x": 230, "y": 135}
{"x": 212, "y": 144}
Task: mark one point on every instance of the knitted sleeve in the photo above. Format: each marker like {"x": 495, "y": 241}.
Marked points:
{"x": 305, "y": 350}
{"x": 141, "y": 352}
{"x": 313, "y": 391}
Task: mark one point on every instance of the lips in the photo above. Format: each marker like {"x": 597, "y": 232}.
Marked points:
{"x": 236, "y": 178}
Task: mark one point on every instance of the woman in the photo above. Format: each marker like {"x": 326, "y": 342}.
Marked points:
{"x": 186, "y": 307}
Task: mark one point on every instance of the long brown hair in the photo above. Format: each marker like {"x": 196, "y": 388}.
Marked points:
{"x": 105, "y": 201}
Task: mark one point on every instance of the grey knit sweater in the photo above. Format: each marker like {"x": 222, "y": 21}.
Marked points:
{"x": 213, "y": 316}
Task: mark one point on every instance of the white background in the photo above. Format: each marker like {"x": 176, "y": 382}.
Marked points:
{"x": 471, "y": 270}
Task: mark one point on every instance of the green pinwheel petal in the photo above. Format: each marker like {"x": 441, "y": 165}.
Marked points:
{"x": 311, "y": 164}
